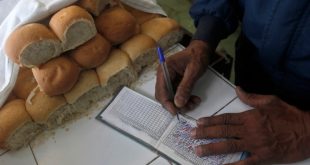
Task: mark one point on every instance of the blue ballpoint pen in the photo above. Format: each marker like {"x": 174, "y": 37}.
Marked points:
{"x": 164, "y": 68}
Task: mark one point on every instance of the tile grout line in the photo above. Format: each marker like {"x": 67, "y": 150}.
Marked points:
{"x": 225, "y": 105}
{"x": 4, "y": 152}
{"x": 35, "y": 159}
{"x": 152, "y": 160}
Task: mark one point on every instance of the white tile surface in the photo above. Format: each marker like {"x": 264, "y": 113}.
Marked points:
{"x": 21, "y": 157}
{"x": 88, "y": 141}
{"x": 161, "y": 161}
{"x": 2, "y": 151}
{"x": 235, "y": 106}
{"x": 214, "y": 92}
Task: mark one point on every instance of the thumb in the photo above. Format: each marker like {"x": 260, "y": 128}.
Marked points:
{"x": 186, "y": 85}
{"x": 253, "y": 100}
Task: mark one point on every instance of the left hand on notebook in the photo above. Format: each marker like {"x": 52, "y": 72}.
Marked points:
{"x": 273, "y": 132}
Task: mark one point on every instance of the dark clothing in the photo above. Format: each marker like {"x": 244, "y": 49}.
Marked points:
{"x": 273, "y": 51}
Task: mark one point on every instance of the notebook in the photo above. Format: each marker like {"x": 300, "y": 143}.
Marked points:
{"x": 148, "y": 123}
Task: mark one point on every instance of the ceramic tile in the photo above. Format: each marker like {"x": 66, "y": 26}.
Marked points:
{"x": 2, "y": 151}
{"x": 88, "y": 141}
{"x": 161, "y": 161}
{"x": 23, "y": 156}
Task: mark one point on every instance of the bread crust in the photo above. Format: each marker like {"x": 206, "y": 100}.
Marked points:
{"x": 23, "y": 37}
{"x": 24, "y": 84}
{"x": 116, "y": 25}
{"x": 88, "y": 80}
{"x": 94, "y": 6}
{"x": 66, "y": 18}
{"x": 40, "y": 106}
{"x": 159, "y": 27}
{"x": 57, "y": 76}
{"x": 118, "y": 60}
{"x": 12, "y": 116}
{"x": 134, "y": 48}
{"x": 93, "y": 53}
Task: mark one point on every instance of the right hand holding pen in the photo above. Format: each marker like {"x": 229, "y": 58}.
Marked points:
{"x": 185, "y": 68}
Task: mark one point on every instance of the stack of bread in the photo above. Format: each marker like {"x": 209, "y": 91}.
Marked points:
{"x": 76, "y": 60}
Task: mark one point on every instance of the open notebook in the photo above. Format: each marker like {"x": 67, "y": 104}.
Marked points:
{"x": 147, "y": 122}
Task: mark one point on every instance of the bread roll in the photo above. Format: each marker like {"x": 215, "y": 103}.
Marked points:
{"x": 74, "y": 26}
{"x": 93, "y": 53}
{"x": 141, "y": 50}
{"x": 116, "y": 72}
{"x": 25, "y": 83}
{"x": 48, "y": 111}
{"x": 16, "y": 126}
{"x": 32, "y": 44}
{"x": 116, "y": 25}
{"x": 11, "y": 97}
{"x": 165, "y": 31}
{"x": 140, "y": 16}
{"x": 57, "y": 76}
{"x": 85, "y": 93}
{"x": 94, "y": 6}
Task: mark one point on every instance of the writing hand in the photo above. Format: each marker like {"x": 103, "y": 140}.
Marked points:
{"x": 273, "y": 132}
{"x": 184, "y": 68}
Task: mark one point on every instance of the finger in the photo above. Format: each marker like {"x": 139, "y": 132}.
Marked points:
{"x": 186, "y": 85}
{"x": 192, "y": 103}
{"x": 168, "y": 105}
{"x": 227, "y": 118}
{"x": 223, "y": 147}
{"x": 254, "y": 100}
{"x": 253, "y": 160}
{"x": 161, "y": 93}
{"x": 223, "y": 131}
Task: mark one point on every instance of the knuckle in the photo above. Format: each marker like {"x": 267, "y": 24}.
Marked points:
{"x": 233, "y": 146}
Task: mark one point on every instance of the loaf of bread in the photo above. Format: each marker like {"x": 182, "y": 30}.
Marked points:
{"x": 25, "y": 83}
{"x": 140, "y": 16}
{"x": 116, "y": 25}
{"x": 11, "y": 97}
{"x": 94, "y": 6}
{"x": 57, "y": 76}
{"x": 141, "y": 50}
{"x": 93, "y": 53}
{"x": 165, "y": 31}
{"x": 16, "y": 126}
{"x": 116, "y": 72}
{"x": 32, "y": 44}
{"x": 85, "y": 92}
{"x": 47, "y": 111}
{"x": 74, "y": 26}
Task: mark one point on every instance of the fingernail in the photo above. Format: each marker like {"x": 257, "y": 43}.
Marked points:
{"x": 180, "y": 101}
{"x": 198, "y": 151}
{"x": 197, "y": 100}
{"x": 193, "y": 133}
{"x": 200, "y": 122}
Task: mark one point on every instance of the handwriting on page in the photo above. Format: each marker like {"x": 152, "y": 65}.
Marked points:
{"x": 180, "y": 141}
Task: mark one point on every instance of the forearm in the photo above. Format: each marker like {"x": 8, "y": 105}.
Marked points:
{"x": 214, "y": 19}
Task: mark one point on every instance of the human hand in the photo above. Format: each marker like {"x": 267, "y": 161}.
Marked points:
{"x": 185, "y": 68}
{"x": 273, "y": 132}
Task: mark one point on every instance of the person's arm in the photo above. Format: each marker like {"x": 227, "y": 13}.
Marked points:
{"x": 272, "y": 132}
{"x": 214, "y": 20}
